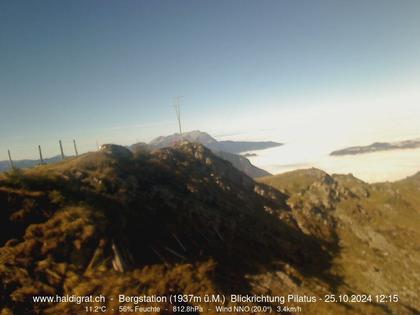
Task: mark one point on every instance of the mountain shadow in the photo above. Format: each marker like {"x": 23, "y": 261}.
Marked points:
{"x": 100, "y": 222}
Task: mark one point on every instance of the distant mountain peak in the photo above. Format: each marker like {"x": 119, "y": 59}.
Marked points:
{"x": 227, "y": 150}
{"x": 192, "y": 136}
{"x": 213, "y": 144}
{"x": 378, "y": 146}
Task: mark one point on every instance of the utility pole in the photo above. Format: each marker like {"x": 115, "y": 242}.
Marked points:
{"x": 12, "y": 166}
{"x": 61, "y": 149}
{"x": 177, "y": 106}
{"x": 75, "y": 148}
{"x": 40, "y": 154}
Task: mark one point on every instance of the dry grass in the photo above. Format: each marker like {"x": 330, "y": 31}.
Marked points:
{"x": 187, "y": 222}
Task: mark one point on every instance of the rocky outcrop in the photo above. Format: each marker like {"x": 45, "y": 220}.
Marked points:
{"x": 371, "y": 224}
{"x": 116, "y": 151}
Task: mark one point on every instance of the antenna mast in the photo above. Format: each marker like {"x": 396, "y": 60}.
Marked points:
{"x": 177, "y": 105}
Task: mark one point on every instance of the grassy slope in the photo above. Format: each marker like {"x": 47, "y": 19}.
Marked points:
{"x": 61, "y": 222}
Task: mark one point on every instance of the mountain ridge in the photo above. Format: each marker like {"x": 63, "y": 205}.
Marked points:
{"x": 204, "y": 138}
{"x": 377, "y": 147}
{"x": 229, "y": 152}
{"x": 74, "y": 227}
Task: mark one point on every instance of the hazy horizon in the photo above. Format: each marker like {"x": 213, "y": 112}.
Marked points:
{"x": 331, "y": 73}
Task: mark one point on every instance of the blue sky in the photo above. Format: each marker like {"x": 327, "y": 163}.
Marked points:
{"x": 107, "y": 70}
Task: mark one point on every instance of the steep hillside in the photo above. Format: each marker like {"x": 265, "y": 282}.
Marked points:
{"x": 182, "y": 220}
{"x": 242, "y": 164}
{"x": 377, "y": 227}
